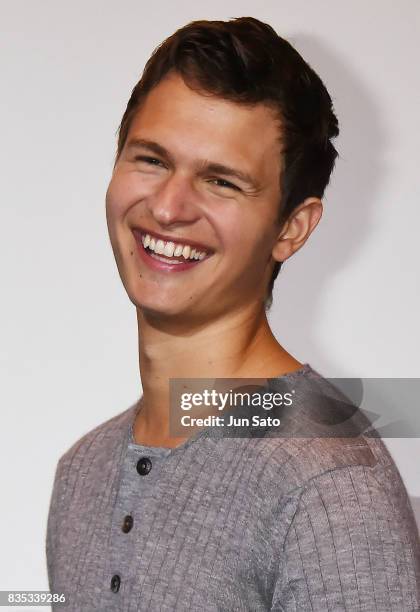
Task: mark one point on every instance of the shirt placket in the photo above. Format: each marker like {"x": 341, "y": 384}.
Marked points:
{"x": 139, "y": 476}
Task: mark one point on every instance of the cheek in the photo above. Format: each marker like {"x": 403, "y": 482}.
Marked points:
{"x": 244, "y": 237}
{"x": 124, "y": 191}
{"x": 117, "y": 198}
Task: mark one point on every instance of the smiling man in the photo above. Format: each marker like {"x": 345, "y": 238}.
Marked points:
{"x": 223, "y": 157}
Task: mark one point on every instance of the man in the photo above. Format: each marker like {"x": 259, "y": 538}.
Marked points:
{"x": 223, "y": 157}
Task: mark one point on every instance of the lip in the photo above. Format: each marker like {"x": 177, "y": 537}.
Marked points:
{"x": 161, "y": 266}
{"x": 138, "y": 231}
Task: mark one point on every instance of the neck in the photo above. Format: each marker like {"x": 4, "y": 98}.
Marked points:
{"x": 241, "y": 345}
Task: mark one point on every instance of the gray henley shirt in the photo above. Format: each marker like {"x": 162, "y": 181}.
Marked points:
{"x": 231, "y": 524}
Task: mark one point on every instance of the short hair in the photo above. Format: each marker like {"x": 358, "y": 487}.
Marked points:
{"x": 245, "y": 61}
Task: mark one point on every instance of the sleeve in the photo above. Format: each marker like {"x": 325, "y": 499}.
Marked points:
{"x": 352, "y": 545}
{"x": 52, "y": 522}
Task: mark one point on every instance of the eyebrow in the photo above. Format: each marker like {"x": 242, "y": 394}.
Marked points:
{"x": 205, "y": 166}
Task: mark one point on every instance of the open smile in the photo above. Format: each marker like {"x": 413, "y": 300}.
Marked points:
{"x": 169, "y": 255}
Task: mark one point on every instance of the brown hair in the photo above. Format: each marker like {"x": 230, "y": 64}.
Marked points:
{"x": 245, "y": 61}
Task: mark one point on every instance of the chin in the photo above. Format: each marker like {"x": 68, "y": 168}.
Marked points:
{"x": 164, "y": 306}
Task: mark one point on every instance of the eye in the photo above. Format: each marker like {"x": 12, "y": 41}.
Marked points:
{"x": 223, "y": 183}
{"x": 152, "y": 161}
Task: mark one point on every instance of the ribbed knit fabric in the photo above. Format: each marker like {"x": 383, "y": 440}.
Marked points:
{"x": 231, "y": 524}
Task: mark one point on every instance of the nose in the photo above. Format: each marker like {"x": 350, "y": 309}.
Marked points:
{"x": 175, "y": 201}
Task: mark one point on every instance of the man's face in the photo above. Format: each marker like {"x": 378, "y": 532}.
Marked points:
{"x": 199, "y": 171}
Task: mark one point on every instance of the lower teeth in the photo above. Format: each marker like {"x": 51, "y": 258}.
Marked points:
{"x": 165, "y": 259}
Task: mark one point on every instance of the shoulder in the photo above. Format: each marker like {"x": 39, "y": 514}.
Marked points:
{"x": 322, "y": 435}
{"x": 320, "y": 431}
{"x": 99, "y": 447}
{"x": 292, "y": 463}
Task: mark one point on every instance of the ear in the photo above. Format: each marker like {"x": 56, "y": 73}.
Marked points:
{"x": 297, "y": 228}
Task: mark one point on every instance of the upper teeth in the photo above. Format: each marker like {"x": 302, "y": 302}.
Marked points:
{"x": 170, "y": 249}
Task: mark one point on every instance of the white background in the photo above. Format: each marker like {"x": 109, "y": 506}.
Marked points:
{"x": 347, "y": 303}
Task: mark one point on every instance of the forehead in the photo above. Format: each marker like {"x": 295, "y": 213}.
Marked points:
{"x": 190, "y": 123}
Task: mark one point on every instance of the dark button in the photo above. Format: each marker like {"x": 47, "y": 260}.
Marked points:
{"x": 128, "y": 523}
{"x": 144, "y": 465}
{"x": 115, "y": 583}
